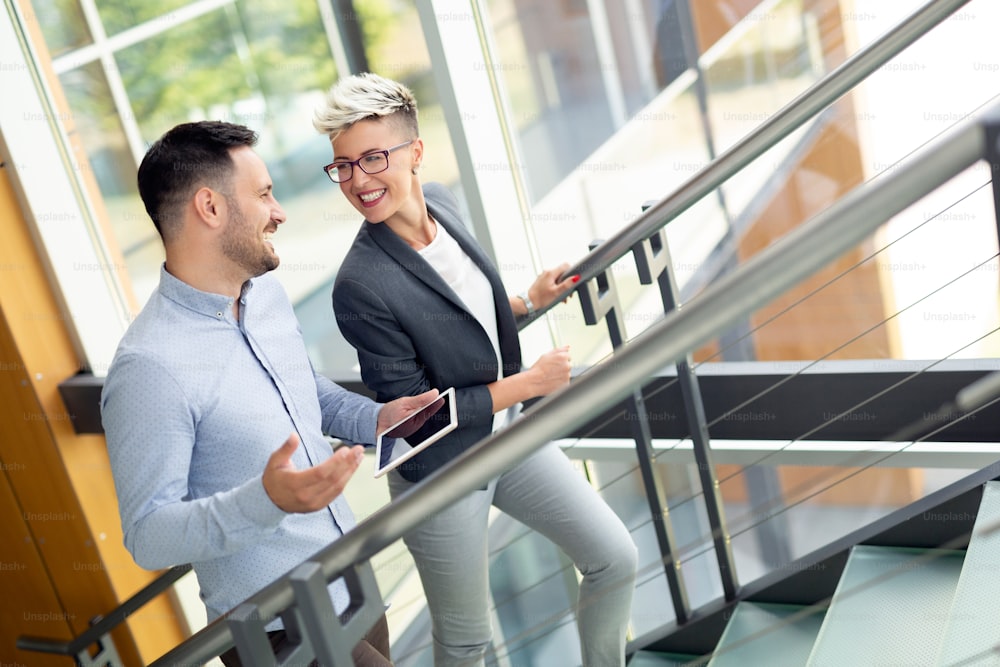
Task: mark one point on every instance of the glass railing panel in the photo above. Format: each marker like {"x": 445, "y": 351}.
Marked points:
{"x": 617, "y": 480}
{"x": 695, "y": 549}
{"x": 939, "y": 303}
{"x": 923, "y": 287}
{"x": 614, "y": 471}
{"x": 816, "y": 507}
{"x": 938, "y": 262}
{"x": 395, "y": 573}
{"x": 771, "y": 56}
{"x": 533, "y": 586}
{"x": 188, "y": 597}
{"x": 796, "y": 510}
{"x": 653, "y": 154}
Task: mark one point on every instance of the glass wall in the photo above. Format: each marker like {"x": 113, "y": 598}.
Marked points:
{"x": 265, "y": 67}
{"x": 620, "y": 106}
{"x": 597, "y": 147}
{"x": 263, "y": 64}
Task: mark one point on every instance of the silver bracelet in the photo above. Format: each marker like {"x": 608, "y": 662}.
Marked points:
{"x": 527, "y": 302}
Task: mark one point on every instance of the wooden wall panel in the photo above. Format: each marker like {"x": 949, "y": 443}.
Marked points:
{"x": 23, "y": 578}
{"x": 88, "y": 568}
{"x": 60, "y": 483}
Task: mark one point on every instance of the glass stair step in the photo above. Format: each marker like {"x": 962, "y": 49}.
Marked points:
{"x": 889, "y": 607}
{"x": 972, "y": 633}
{"x": 656, "y": 659}
{"x": 776, "y": 635}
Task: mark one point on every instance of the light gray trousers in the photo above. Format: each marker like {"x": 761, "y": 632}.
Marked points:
{"x": 546, "y": 493}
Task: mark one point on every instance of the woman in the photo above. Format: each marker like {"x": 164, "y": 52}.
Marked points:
{"x": 425, "y": 308}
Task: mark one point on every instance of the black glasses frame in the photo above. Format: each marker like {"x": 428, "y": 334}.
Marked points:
{"x": 330, "y": 171}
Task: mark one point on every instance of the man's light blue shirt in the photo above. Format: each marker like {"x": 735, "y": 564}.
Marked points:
{"x": 194, "y": 404}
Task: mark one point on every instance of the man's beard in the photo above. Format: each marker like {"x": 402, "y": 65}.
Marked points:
{"x": 239, "y": 245}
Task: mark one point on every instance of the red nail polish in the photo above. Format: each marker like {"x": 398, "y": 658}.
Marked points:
{"x": 576, "y": 278}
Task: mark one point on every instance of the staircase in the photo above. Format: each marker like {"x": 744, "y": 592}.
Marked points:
{"x": 891, "y": 606}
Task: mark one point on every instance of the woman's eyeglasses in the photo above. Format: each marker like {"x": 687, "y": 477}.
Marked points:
{"x": 372, "y": 163}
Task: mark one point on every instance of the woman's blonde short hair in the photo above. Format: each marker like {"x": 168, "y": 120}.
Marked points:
{"x": 366, "y": 96}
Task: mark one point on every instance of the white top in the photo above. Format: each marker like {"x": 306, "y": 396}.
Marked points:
{"x": 470, "y": 284}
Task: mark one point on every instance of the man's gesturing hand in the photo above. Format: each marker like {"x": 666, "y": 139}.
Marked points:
{"x": 311, "y": 489}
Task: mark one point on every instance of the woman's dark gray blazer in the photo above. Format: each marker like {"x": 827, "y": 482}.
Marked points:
{"x": 413, "y": 333}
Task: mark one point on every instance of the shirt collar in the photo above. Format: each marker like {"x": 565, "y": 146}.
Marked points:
{"x": 211, "y": 305}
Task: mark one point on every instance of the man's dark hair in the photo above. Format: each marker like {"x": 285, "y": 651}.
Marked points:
{"x": 187, "y": 157}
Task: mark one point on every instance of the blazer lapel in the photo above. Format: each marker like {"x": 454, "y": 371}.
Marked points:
{"x": 507, "y": 327}
{"x": 410, "y": 260}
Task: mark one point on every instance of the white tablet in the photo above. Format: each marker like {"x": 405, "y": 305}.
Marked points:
{"x": 404, "y": 439}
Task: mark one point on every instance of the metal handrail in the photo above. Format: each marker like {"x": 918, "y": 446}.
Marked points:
{"x": 785, "y": 121}
{"x": 765, "y": 276}
{"x": 106, "y": 623}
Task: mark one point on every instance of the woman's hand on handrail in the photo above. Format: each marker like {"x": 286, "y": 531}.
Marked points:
{"x": 545, "y": 290}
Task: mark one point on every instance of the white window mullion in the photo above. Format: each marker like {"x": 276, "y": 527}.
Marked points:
{"x": 470, "y": 86}
{"x": 607, "y": 60}
{"x": 33, "y": 142}
{"x": 340, "y": 59}
{"x": 136, "y": 34}
{"x": 637, "y": 23}
{"x": 114, "y": 78}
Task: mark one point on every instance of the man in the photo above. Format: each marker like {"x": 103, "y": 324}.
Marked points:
{"x": 214, "y": 417}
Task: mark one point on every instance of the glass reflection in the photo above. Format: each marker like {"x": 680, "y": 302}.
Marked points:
{"x": 560, "y": 107}
{"x": 267, "y": 71}
{"x": 102, "y": 136}
{"x": 392, "y": 52}
{"x": 62, "y": 23}
{"x": 117, "y": 15}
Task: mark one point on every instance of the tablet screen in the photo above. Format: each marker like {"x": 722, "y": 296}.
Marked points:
{"x": 406, "y": 438}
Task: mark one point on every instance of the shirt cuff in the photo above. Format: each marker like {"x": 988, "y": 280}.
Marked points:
{"x": 369, "y": 424}
{"x": 257, "y": 506}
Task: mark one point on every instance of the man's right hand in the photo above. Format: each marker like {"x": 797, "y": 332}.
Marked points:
{"x": 312, "y": 489}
